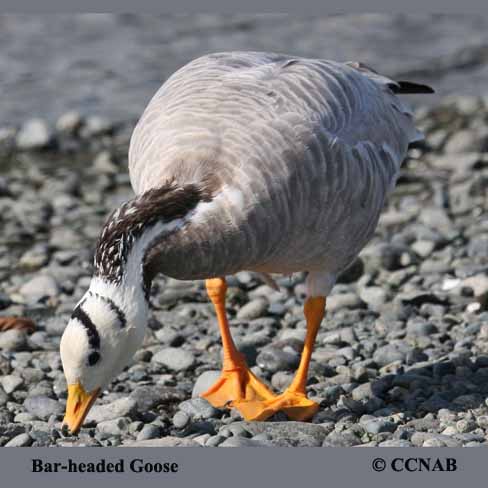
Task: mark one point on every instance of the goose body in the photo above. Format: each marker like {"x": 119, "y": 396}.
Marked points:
{"x": 300, "y": 155}
{"x": 241, "y": 161}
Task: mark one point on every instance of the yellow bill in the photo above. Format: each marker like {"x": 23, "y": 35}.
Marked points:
{"x": 78, "y": 405}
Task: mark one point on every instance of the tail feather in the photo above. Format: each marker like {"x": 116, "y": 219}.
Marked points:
{"x": 407, "y": 87}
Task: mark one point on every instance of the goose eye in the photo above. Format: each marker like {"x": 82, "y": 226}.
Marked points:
{"x": 93, "y": 358}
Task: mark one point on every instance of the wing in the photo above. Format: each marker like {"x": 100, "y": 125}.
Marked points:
{"x": 208, "y": 117}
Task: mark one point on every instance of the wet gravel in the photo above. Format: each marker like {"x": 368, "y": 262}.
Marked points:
{"x": 401, "y": 359}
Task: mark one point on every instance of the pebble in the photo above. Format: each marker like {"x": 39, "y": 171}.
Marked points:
{"x": 21, "y": 440}
{"x": 11, "y": 382}
{"x": 34, "y": 134}
{"x": 390, "y": 353}
{"x": 149, "y": 431}
{"x": 39, "y": 287}
{"x": 274, "y": 359}
{"x": 12, "y": 340}
{"x": 181, "y": 419}
{"x": 253, "y": 309}
{"x": 198, "y": 408}
{"x": 69, "y": 123}
{"x": 176, "y": 359}
{"x": 204, "y": 382}
{"x": 123, "y": 407}
{"x": 55, "y": 326}
{"x": 377, "y": 426}
{"x": 374, "y": 296}
{"x": 420, "y": 328}
{"x": 43, "y": 407}
{"x": 164, "y": 442}
{"x": 116, "y": 427}
{"x": 243, "y": 442}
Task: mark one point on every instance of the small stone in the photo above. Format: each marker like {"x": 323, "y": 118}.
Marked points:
{"x": 69, "y": 123}
{"x": 34, "y": 258}
{"x": 465, "y": 425}
{"x": 420, "y": 328}
{"x": 244, "y": 442}
{"x": 149, "y": 431}
{"x": 363, "y": 392}
{"x": 390, "y": 353}
{"x": 105, "y": 164}
{"x": 374, "y": 296}
{"x": 343, "y": 300}
{"x": 341, "y": 439}
{"x": 395, "y": 443}
{"x": 427, "y": 439}
{"x": 281, "y": 379}
{"x": 39, "y": 287}
{"x": 274, "y": 359}
{"x": 164, "y": 442}
{"x": 55, "y": 326}
{"x": 114, "y": 427}
{"x": 478, "y": 247}
{"x": 34, "y": 134}
{"x": 43, "y": 407}
{"x": 181, "y": 419}
{"x": 11, "y": 382}
{"x": 13, "y": 340}
{"x": 377, "y": 426}
{"x": 215, "y": 440}
{"x": 479, "y": 285}
{"x": 174, "y": 358}
{"x": 21, "y": 440}
{"x": 3, "y": 398}
{"x": 204, "y": 382}
{"x": 151, "y": 396}
{"x": 462, "y": 141}
{"x": 423, "y": 248}
{"x": 198, "y": 408}
{"x": 253, "y": 309}
{"x": 123, "y": 407}
{"x": 96, "y": 126}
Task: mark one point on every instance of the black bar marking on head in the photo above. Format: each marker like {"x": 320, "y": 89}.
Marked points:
{"x": 114, "y": 307}
{"x": 91, "y": 330}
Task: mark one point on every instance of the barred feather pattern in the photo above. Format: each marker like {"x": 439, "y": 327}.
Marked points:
{"x": 301, "y": 154}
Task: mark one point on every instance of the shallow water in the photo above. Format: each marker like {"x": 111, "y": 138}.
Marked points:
{"x": 112, "y": 64}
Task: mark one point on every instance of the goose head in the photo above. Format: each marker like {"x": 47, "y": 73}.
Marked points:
{"x": 106, "y": 328}
{"x": 108, "y": 324}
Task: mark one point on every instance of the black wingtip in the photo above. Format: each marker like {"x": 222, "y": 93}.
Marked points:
{"x": 407, "y": 87}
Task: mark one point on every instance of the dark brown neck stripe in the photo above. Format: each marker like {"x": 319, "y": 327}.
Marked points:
{"x": 128, "y": 223}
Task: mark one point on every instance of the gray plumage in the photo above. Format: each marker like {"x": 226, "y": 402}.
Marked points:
{"x": 300, "y": 154}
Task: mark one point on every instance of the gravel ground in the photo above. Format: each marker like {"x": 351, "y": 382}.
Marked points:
{"x": 401, "y": 359}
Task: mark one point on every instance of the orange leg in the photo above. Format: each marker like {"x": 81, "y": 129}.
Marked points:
{"x": 236, "y": 383}
{"x": 293, "y": 401}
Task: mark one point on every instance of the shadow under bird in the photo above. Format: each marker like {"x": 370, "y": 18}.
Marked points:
{"x": 241, "y": 161}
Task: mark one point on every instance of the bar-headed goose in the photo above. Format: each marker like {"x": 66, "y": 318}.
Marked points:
{"x": 241, "y": 161}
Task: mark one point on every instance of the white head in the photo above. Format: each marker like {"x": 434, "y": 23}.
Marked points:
{"x": 105, "y": 330}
